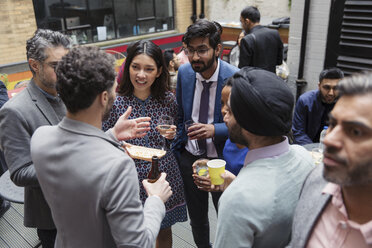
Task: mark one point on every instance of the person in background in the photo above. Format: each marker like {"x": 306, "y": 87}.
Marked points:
{"x": 171, "y": 60}
{"x": 182, "y": 57}
{"x": 88, "y": 180}
{"x": 199, "y": 86}
{"x": 262, "y": 46}
{"x": 144, "y": 87}
{"x": 4, "y": 205}
{"x": 312, "y": 108}
{"x": 257, "y": 206}
{"x": 335, "y": 208}
{"x": 235, "y": 51}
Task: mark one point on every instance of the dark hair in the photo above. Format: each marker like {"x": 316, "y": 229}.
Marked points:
{"x": 357, "y": 84}
{"x": 82, "y": 74}
{"x": 44, "y": 38}
{"x": 219, "y": 27}
{"x": 160, "y": 85}
{"x": 228, "y": 82}
{"x": 332, "y": 73}
{"x": 252, "y": 13}
{"x": 168, "y": 55}
{"x": 203, "y": 29}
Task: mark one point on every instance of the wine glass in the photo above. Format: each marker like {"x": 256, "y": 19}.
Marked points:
{"x": 197, "y": 150}
{"x": 164, "y": 124}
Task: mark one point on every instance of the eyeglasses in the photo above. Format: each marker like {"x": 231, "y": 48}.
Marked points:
{"x": 201, "y": 52}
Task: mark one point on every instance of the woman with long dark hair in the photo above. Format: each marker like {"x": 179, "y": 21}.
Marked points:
{"x": 144, "y": 87}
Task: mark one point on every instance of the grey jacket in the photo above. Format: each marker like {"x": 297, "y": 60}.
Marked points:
{"x": 19, "y": 118}
{"x": 310, "y": 206}
{"x": 91, "y": 185}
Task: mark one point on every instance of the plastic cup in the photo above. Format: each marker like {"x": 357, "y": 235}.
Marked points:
{"x": 202, "y": 168}
{"x": 317, "y": 155}
{"x": 216, "y": 167}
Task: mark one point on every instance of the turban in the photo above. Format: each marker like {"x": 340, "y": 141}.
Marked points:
{"x": 261, "y": 102}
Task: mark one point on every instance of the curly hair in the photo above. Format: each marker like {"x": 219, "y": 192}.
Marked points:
{"x": 82, "y": 74}
{"x": 160, "y": 85}
{"x": 44, "y": 38}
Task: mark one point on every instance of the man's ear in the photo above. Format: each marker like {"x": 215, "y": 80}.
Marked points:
{"x": 103, "y": 98}
{"x": 35, "y": 65}
{"x": 218, "y": 50}
{"x": 319, "y": 85}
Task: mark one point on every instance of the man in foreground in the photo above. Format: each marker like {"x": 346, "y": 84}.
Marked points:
{"x": 88, "y": 180}
{"x": 313, "y": 107}
{"x": 262, "y": 46}
{"x": 256, "y": 209}
{"x": 335, "y": 208}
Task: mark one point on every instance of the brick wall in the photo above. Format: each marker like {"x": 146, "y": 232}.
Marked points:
{"x": 316, "y": 41}
{"x": 183, "y": 12}
{"x": 16, "y": 26}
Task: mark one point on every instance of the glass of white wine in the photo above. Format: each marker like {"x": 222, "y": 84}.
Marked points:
{"x": 165, "y": 123}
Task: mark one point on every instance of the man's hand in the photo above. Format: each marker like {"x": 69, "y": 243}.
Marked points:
{"x": 202, "y": 182}
{"x": 171, "y": 132}
{"x": 125, "y": 129}
{"x": 160, "y": 188}
{"x": 228, "y": 178}
{"x": 201, "y": 131}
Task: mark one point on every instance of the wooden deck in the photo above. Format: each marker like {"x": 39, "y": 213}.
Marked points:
{"x": 14, "y": 235}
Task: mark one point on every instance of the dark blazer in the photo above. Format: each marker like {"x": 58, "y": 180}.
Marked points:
{"x": 262, "y": 48}
{"x": 185, "y": 96}
{"x": 307, "y": 117}
{"x": 3, "y": 99}
{"x": 3, "y": 94}
{"x": 309, "y": 208}
{"x": 19, "y": 118}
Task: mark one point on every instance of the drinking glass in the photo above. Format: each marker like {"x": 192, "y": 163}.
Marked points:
{"x": 164, "y": 124}
{"x": 198, "y": 151}
{"x": 317, "y": 155}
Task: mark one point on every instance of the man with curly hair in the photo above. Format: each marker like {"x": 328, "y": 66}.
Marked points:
{"x": 89, "y": 182}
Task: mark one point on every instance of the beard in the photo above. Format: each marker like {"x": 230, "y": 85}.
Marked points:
{"x": 203, "y": 66}
{"x": 236, "y": 135}
{"x": 344, "y": 174}
{"x": 48, "y": 83}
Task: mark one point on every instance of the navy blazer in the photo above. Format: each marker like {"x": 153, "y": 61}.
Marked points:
{"x": 3, "y": 94}
{"x": 186, "y": 81}
{"x": 307, "y": 117}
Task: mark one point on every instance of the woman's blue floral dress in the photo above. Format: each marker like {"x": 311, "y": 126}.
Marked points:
{"x": 151, "y": 107}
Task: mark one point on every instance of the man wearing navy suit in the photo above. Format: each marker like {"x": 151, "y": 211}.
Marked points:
{"x": 199, "y": 86}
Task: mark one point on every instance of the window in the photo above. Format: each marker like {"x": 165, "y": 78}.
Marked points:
{"x": 87, "y": 21}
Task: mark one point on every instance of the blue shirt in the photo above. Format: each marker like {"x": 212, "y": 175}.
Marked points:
{"x": 234, "y": 157}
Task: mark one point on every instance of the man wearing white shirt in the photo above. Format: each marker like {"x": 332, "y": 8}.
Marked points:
{"x": 199, "y": 87}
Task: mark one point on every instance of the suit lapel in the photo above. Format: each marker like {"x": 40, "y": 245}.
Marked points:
{"x": 42, "y": 103}
{"x": 189, "y": 94}
{"x": 313, "y": 215}
{"x": 217, "y": 104}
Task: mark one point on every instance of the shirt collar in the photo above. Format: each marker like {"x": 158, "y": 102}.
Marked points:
{"x": 213, "y": 78}
{"x": 335, "y": 191}
{"x": 47, "y": 95}
{"x": 267, "y": 151}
